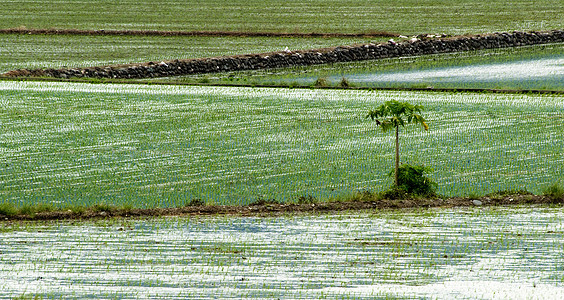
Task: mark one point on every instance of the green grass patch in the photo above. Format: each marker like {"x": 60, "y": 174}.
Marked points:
{"x": 555, "y": 191}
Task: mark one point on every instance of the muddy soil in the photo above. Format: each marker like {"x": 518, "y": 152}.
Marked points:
{"x": 53, "y": 31}
{"x": 267, "y": 208}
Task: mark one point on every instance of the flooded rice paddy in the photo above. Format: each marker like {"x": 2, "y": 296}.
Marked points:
{"x": 480, "y": 253}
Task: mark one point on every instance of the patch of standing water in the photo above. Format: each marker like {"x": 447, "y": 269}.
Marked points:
{"x": 479, "y": 253}
{"x": 546, "y": 68}
{"x": 543, "y": 73}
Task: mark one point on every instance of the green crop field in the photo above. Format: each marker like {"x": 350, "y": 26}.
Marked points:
{"x": 404, "y": 16}
{"x": 148, "y": 146}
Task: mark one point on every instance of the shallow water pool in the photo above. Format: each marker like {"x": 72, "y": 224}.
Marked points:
{"x": 525, "y": 74}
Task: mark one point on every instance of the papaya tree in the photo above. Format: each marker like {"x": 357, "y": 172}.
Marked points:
{"x": 393, "y": 114}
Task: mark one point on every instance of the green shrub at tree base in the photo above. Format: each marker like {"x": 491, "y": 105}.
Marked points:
{"x": 412, "y": 181}
{"x": 555, "y": 191}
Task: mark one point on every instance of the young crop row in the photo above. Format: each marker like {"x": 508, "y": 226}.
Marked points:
{"x": 155, "y": 146}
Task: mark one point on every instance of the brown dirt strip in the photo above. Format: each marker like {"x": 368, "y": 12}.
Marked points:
{"x": 267, "y": 209}
{"x": 54, "y": 31}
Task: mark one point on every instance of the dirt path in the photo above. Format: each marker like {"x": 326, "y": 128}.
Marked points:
{"x": 265, "y": 208}
{"x": 54, "y": 31}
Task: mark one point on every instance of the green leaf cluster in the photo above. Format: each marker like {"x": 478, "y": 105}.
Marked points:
{"x": 398, "y": 113}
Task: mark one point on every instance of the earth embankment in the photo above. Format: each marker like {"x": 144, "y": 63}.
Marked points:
{"x": 420, "y": 45}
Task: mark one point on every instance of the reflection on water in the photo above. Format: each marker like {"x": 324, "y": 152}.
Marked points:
{"x": 546, "y": 73}
{"x": 548, "y": 68}
{"x": 480, "y": 253}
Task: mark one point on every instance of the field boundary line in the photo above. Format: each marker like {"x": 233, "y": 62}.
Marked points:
{"x": 203, "y": 33}
{"x": 308, "y": 87}
{"x": 269, "y": 209}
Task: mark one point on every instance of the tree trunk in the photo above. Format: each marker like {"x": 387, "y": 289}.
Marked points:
{"x": 397, "y": 156}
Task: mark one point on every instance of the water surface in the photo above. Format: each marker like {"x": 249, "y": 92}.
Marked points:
{"x": 525, "y": 74}
{"x": 481, "y": 253}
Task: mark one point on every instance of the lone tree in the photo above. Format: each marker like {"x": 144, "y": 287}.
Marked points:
{"x": 393, "y": 114}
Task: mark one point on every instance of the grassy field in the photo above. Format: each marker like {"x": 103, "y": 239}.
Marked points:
{"x": 403, "y": 16}
{"x": 148, "y": 146}
{"x": 76, "y": 144}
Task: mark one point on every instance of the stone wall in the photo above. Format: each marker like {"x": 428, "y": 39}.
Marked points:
{"x": 417, "y": 46}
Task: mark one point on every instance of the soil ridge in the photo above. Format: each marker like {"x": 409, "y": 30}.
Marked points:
{"x": 102, "y": 32}
{"x": 364, "y": 202}
{"x": 420, "y": 45}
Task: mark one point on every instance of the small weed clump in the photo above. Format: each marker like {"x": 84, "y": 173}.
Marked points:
{"x": 309, "y": 199}
{"x": 321, "y": 82}
{"x": 554, "y": 191}
{"x": 501, "y": 194}
{"x": 8, "y": 210}
{"x": 413, "y": 180}
{"x": 195, "y": 202}
{"x": 412, "y": 183}
{"x": 103, "y": 207}
{"x": 31, "y": 210}
{"x": 345, "y": 83}
{"x": 262, "y": 201}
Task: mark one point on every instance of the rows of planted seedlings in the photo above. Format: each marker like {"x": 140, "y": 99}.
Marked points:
{"x": 147, "y": 146}
{"x": 291, "y": 17}
{"x": 464, "y": 253}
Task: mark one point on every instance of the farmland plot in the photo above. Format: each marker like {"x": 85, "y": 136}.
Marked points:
{"x": 162, "y": 146}
{"x": 402, "y": 16}
{"x": 492, "y": 253}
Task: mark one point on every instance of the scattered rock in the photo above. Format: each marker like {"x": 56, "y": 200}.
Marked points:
{"x": 477, "y": 202}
